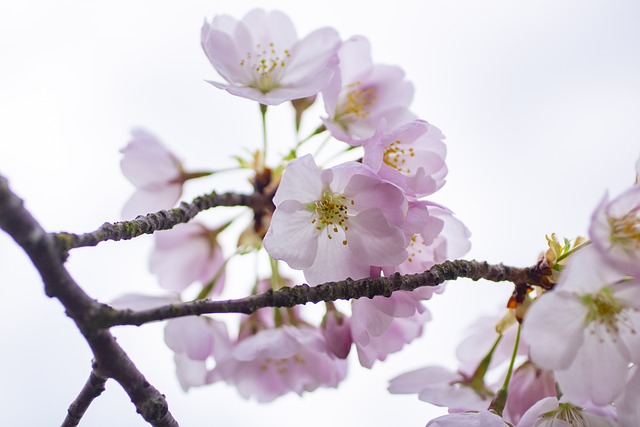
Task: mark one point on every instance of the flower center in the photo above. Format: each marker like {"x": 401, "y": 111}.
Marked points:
{"x": 603, "y": 309}
{"x": 357, "y": 101}
{"x": 415, "y": 248}
{"x": 267, "y": 65}
{"x": 331, "y": 213}
{"x": 625, "y": 231}
{"x": 396, "y": 157}
{"x": 281, "y": 366}
{"x": 568, "y": 413}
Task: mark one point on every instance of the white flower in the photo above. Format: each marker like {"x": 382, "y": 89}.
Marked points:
{"x": 586, "y": 329}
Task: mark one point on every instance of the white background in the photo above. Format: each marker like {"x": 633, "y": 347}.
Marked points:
{"x": 539, "y": 101}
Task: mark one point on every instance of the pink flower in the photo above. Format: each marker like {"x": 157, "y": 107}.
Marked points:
{"x": 196, "y": 341}
{"x": 277, "y": 361}
{"x": 549, "y": 412}
{"x": 411, "y": 156}
{"x": 469, "y": 419}
{"x": 362, "y": 94}
{"x": 383, "y": 325}
{"x": 586, "y": 329}
{"x": 336, "y": 223}
{"x": 528, "y": 385}
{"x": 615, "y": 230}
{"x": 155, "y": 172}
{"x": 185, "y": 254}
{"x": 262, "y": 59}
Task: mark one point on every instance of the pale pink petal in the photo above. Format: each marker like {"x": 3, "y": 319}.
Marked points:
{"x": 628, "y": 404}
{"x": 414, "y": 381}
{"x": 301, "y": 181}
{"x": 292, "y": 236}
{"x": 554, "y": 327}
{"x": 146, "y": 163}
{"x": 597, "y": 374}
{"x": 374, "y": 241}
{"x": 190, "y": 372}
{"x": 334, "y": 261}
{"x": 401, "y": 331}
{"x": 185, "y": 254}
{"x": 483, "y": 418}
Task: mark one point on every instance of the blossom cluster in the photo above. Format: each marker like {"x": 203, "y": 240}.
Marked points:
{"x": 364, "y": 217}
{"x": 580, "y": 346}
{"x": 565, "y": 352}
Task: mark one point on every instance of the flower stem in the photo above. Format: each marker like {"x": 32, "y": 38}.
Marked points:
{"x": 577, "y": 248}
{"x": 497, "y": 405}
{"x": 276, "y": 280}
{"x": 263, "y": 113}
{"x": 206, "y": 290}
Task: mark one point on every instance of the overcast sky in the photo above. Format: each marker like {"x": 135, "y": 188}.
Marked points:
{"x": 539, "y": 102}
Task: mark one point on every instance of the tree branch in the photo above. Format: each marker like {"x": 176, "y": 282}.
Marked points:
{"x": 162, "y": 220}
{"x": 92, "y": 389}
{"x": 110, "y": 358}
{"x": 330, "y": 291}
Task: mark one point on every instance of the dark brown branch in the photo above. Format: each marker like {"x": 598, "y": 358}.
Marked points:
{"x": 331, "y": 291}
{"x": 92, "y": 389}
{"x": 162, "y": 220}
{"x": 110, "y": 358}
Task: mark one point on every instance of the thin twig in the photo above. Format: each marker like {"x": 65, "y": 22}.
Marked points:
{"x": 92, "y": 389}
{"x": 162, "y": 220}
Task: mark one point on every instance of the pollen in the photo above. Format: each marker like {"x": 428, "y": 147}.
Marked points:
{"x": 267, "y": 65}
{"x": 359, "y": 100}
{"x": 396, "y": 156}
{"x": 625, "y": 231}
{"x": 415, "y": 248}
{"x": 331, "y": 214}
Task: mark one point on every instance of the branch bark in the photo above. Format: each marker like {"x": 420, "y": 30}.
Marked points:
{"x": 162, "y": 220}
{"x": 110, "y": 358}
{"x": 330, "y": 291}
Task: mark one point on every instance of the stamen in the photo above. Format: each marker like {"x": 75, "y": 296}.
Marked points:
{"x": 331, "y": 213}
{"x": 625, "y": 231}
{"x": 396, "y": 157}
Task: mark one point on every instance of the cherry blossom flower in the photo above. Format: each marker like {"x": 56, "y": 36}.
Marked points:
{"x": 468, "y": 419}
{"x": 185, "y": 254}
{"x": 362, "y": 94}
{"x": 411, "y": 156}
{"x": 155, "y": 172}
{"x": 383, "y": 325}
{"x": 549, "y": 412}
{"x": 277, "y": 361}
{"x": 586, "y": 329}
{"x": 262, "y": 59}
{"x": 615, "y": 230}
{"x": 336, "y": 223}
{"x": 195, "y": 341}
